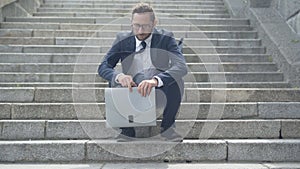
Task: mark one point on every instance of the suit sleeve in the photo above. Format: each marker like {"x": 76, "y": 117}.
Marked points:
{"x": 177, "y": 66}
{"x": 106, "y": 68}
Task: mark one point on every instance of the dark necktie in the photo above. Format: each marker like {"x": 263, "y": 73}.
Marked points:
{"x": 144, "y": 46}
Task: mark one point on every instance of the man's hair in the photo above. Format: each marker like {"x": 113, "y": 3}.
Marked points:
{"x": 144, "y": 8}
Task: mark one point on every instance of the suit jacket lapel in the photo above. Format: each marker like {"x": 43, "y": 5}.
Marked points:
{"x": 129, "y": 48}
{"x": 159, "y": 55}
{"x": 130, "y": 45}
{"x": 154, "y": 47}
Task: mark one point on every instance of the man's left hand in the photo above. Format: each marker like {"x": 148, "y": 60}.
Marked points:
{"x": 144, "y": 88}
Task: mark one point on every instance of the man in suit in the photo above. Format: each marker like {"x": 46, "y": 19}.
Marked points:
{"x": 150, "y": 57}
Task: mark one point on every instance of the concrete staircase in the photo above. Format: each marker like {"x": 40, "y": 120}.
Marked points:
{"x": 237, "y": 105}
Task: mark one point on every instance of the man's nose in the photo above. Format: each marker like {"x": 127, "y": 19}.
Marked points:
{"x": 141, "y": 30}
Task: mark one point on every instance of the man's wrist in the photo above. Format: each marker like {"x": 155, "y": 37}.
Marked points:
{"x": 117, "y": 77}
{"x": 156, "y": 81}
{"x": 159, "y": 81}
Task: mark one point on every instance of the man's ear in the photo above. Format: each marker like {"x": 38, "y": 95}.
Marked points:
{"x": 155, "y": 22}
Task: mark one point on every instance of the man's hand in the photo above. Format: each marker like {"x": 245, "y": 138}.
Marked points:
{"x": 145, "y": 86}
{"x": 126, "y": 81}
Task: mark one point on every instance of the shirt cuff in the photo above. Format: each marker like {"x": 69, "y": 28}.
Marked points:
{"x": 118, "y": 75}
{"x": 160, "y": 82}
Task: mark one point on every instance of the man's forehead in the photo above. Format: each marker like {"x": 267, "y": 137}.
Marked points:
{"x": 142, "y": 15}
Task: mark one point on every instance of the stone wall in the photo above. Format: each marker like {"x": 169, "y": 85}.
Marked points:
{"x": 5, "y": 2}
{"x": 18, "y": 8}
{"x": 278, "y": 25}
{"x": 290, "y": 11}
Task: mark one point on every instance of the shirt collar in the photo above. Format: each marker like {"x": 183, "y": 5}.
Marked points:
{"x": 138, "y": 42}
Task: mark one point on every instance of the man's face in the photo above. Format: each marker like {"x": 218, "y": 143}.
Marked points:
{"x": 142, "y": 25}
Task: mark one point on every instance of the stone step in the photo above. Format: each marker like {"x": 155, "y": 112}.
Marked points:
{"x": 87, "y": 95}
{"x": 129, "y": 1}
{"x": 125, "y": 3}
{"x": 189, "y": 129}
{"x": 92, "y": 68}
{"x": 234, "y": 77}
{"x": 219, "y": 58}
{"x": 110, "y": 34}
{"x": 233, "y": 67}
{"x": 204, "y": 111}
{"x": 128, "y": 10}
{"x": 156, "y": 165}
{"x": 280, "y": 84}
{"x": 126, "y": 20}
{"x": 27, "y": 41}
{"x": 156, "y": 6}
{"x": 45, "y": 115}
{"x": 103, "y": 49}
{"x": 98, "y": 27}
{"x": 104, "y": 14}
{"x": 264, "y": 150}
{"x": 96, "y": 58}
{"x": 109, "y": 41}
{"x": 81, "y": 76}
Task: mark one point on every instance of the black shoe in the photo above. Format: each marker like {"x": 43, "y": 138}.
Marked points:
{"x": 127, "y": 134}
{"x": 123, "y": 138}
{"x": 171, "y": 135}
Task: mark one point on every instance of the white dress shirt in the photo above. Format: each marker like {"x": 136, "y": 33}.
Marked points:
{"x": 142, "y": 61}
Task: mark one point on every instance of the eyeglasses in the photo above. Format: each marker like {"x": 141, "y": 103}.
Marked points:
{"x": 144, "y": 27}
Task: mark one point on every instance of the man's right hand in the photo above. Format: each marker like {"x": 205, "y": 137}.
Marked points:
{"x": 126, "y": 81}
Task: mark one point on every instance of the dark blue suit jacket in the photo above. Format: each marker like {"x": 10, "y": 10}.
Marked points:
{"x": 165, "y": 56}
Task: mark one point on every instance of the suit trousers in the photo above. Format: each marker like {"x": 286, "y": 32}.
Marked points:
{"x": 168, "y": 98}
